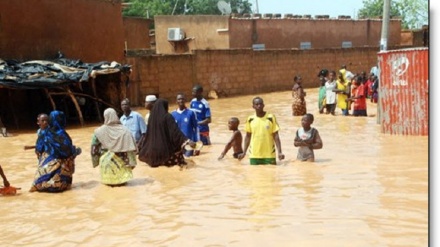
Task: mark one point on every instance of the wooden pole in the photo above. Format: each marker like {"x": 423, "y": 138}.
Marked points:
{"x": 98, "y": 112}
{"x": 50, "y": 98}
{"x": 75, "y": 102}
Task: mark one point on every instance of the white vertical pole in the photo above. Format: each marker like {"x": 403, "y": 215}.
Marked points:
{"x": 385, "y": 25}
{"x": 256, "y": 2}
{"x": 383, "y": 47}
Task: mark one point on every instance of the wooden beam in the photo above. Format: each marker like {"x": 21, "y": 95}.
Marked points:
{"x": 98, "y": 112}
{"x": 49, "y": 96}
{"x": 75, "y": 102}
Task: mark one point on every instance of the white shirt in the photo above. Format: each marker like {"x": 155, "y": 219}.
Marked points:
{"x": 330, "y": 96}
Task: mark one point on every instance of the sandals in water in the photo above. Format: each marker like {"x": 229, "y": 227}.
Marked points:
{"x": 9, "y": 191}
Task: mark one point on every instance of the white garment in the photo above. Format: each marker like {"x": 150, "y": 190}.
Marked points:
{"x": 330, "y": 96}
{"x": 348, "y": 75}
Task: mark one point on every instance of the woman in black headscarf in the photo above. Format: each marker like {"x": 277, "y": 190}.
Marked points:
{"x": 164, "y": 142}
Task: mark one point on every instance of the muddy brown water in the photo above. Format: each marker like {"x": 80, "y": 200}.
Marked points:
{"x": 365, "y": 189}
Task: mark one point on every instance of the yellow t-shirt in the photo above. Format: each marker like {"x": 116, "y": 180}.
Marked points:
{"x": 342, "y": 104}
{"x": 262, "y": 144}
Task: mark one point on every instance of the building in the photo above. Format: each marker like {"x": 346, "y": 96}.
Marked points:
{"x": 182, "y": 34}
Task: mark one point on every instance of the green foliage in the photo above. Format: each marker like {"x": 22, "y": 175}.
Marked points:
{"x": 150, "y": 8}
{"x": 414, "y": 13}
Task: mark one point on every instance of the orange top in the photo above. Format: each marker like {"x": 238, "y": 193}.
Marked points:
{"x": 360, "y": 103}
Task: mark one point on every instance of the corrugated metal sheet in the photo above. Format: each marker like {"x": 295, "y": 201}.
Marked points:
{"x": 404, "y": 91}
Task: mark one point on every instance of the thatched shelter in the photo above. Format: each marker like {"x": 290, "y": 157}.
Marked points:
{"x": 79, "y": 89}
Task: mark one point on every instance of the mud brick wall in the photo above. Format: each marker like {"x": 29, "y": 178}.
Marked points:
{"x": 136, "y": 32}
{"x": 239, "y": 71}
{"x": 89, "y": 30}
{"x": 164, "y": 76}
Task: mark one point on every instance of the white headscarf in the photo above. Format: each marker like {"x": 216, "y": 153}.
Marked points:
{"x": 113, "y": 135}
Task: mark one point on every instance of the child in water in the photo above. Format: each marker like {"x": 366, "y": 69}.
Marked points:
{"x": 43, "y": 123}
{"x": 236, "y": 139}
{"x": 307, "y": 138}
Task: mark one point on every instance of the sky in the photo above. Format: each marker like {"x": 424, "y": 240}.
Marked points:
{"x": 333, "y": 8}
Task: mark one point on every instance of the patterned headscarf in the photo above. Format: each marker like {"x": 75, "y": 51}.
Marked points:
{"x": 113, "y": 135}
{"x": 55, "y": 141}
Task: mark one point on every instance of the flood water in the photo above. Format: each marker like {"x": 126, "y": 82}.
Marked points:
{"x": 365, "y": 189}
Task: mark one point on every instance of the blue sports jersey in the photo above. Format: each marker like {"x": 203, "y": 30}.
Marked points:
{"x": 202, "y": 110}
{"x": 187, "y": 122}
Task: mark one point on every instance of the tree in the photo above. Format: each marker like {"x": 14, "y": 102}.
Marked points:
{"x": 414, "y": 13}
{"x": 150, "y": 8}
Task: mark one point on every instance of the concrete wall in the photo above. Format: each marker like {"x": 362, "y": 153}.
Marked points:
{"x": 322, "y": 33}
{"x": 90, "y": 30}
{"x": 137, "y": 32}
{"x": 223, "y": 32}
{"x": 200, "y": 30}
{"x": 239, "y": 71}
{"x": 413, "y": 38}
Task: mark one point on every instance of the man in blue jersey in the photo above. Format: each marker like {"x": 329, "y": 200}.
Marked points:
{"x": 187, "y": 122}
{"x": 201, "y": 107}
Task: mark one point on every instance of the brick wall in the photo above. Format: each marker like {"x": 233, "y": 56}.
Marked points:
{"x": 239, "y": 71}
{"x": 412, "y": 38}
{"x": 160, "y": 75}
{"x": 137, "y": 32}
{"x": 89, "y": 30}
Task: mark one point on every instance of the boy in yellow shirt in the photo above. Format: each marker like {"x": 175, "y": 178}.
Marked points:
{"x": 262, "y": 136}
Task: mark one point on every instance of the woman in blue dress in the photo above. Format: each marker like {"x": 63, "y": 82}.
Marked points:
{"x": 56, "y": 157}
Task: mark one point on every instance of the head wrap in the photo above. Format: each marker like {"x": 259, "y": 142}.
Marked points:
{"x": 113, "y": 135}
{"x": 54, "y": 140}
{"x": 164, "y": 137}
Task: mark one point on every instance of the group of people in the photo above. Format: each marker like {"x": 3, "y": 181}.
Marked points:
{"x": 263, "y": 139}
{"x": 160, "y": 138}
{"x": 344, "y": 90}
